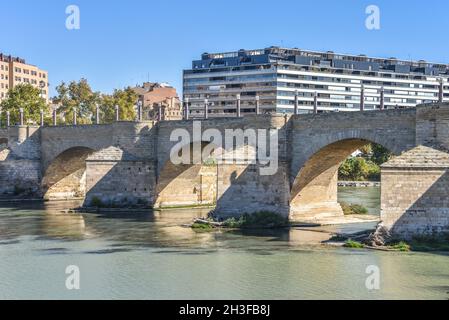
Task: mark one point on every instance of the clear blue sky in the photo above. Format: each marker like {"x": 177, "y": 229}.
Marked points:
{"x": 122, "y": 43}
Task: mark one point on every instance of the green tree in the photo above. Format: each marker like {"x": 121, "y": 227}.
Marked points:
{"x": 354, "y": 169}
{"x": 125, "y": 99}
{"x": 366, "y": 150}
{"x": 28, "y": 98}
{"x": 367, "y": 165}
{"x": 78, "y": 95}
{"x": 380, "y": 154}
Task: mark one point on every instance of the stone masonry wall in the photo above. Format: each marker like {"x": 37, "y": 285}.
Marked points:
{"x": 120, "y": 183}
{"x": 19, "y": 177}
{"x": 414, "y": 196}
{"x": 20, "y": 166}
{"x": 415, "y": 201}
{"x": 185, "y": 185}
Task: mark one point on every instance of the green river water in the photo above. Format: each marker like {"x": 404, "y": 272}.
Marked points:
{"x": 151, "y": 256}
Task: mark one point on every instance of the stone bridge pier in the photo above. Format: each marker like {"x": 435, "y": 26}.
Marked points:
{"x": 129, "y": 163}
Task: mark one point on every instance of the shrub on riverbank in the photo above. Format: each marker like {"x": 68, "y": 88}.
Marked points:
{"x": 263, "y": 219}
{"x": 202, "y": 227}
{"x": 353, "y": 244}
{"x": 401, "y": 246}
{"x": 350, "y": 209}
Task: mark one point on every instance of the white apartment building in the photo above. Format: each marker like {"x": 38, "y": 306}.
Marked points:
{"x": 277, "y": 75}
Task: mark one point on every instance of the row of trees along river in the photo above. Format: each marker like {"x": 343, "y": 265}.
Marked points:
{"x": 76, "y": 95}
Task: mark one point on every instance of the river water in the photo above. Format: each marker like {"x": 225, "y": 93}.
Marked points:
{"x": 151, "y": 256}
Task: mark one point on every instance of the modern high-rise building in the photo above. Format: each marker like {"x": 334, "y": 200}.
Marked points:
{"x": 279, "y": 76}
{"x": 14, "y": 71}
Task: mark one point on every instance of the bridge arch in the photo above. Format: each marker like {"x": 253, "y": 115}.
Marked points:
{"x": 314, "y": 190}
{"x": 65, "y": 176}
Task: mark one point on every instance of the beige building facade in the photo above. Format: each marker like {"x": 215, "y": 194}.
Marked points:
{"x": 15, "y": 71}
{"x": 155, "y": 96}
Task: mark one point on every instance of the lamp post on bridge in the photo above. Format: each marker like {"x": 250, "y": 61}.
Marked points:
{"x": 296, "y": 110}
{"x": 186, "y": 108}
{"x": 97, "y": 114}
{"x": 54, "y": 117}
{"x": 139, "y": 110}
{"x": 362, "y": 98}
{"x": 315, "y": 102}
{"x": 21, "y": 116}
{"x": 382, "y": 98}
{"x": 8, "y": 118}
{"x": 257, "y": 105}
{"x": 159, "y": 112}
{"x": 441, "y": 91}
{"x": 117, "y": 114}
{"x": 239, "y": 106}
{"x": 206, "y": 109}
{"x": 74, "y": 117}
{"x": 42, "y": 117}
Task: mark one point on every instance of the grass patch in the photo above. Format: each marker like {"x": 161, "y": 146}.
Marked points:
{"x": 351, "y": 209}
{"x": 401, "y": 246}
{"x": 263, "y": 219}
{"x": 202, "y": 227}
{"x": 354, "y": 244}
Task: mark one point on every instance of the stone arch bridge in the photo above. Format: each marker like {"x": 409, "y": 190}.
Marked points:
{"x": 129, "y": 162}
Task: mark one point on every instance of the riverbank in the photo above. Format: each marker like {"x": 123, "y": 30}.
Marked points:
{"x": 359, "y": 184}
